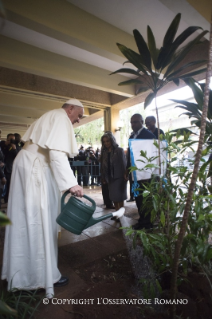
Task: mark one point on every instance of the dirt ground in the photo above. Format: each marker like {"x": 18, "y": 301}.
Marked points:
{"x": 111, "y": 279}
{"x": 105, "y": 285}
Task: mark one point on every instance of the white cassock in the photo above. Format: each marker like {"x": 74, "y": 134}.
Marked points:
{"x": 41, "y": 171}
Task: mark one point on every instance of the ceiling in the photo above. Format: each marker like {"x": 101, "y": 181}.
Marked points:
{"x": 52, "y": 50}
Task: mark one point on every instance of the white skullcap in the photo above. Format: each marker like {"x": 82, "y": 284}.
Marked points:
{"x": 74, "y": 102}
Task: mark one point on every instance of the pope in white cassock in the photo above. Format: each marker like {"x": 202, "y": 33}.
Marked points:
{"x": 41, "y": 171}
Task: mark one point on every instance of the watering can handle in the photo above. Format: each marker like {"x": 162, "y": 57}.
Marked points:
{"x": 86, "y": 197}
{"x": 63, "y": 199}
{"x": 90, "y": 200}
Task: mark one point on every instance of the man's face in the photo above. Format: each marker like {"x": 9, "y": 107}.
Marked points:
{"x": 11, "y": 138}
{"x": 150, "y": 123}
{"x": 136, "y": 123}
{"x": 75, "y": 113}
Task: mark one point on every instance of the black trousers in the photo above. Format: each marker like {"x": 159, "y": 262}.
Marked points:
{"x": 130, "y": 181}
{"x": 145, "y": 219}
{"x": 105, "y": 195}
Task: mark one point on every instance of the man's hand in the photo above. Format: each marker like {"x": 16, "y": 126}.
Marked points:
{"x": 13, "y": 146}
{"x": 126, "y": 175}
{"x": 76, "y": 190}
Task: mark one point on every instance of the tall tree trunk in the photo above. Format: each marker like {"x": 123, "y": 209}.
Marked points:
{"x": 193, "y": 181}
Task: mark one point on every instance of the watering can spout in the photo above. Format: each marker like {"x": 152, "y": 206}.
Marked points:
{"x": 94, "y": 221}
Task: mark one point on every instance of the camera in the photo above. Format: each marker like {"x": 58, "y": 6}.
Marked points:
{"x": 12, "y": 141}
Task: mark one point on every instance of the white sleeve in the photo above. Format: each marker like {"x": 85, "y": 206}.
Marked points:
{"x": 61, "y": 170}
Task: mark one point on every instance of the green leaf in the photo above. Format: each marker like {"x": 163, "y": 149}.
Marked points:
{"x": 130, "y": 82}
{"x": 185, "y": 66}
{"x": 208, "y": 255}
{"x": 149, "y": 99}
{"x": 133, "y": 57}
{"x": 126, "y": 70}
{"x": 4, "y": 220}
{"x": 145, "y": 193}
{"x": 143, "y": 49}
{"x": 188, "y": 75}
{"x": 193, "y": 108}
{"x": 151, "y": 166}
{"x": 143, "y": 153}
{"x": 172, "y": 30}
{"x": 181, "y": 54}
{"x": 198, "y": 94}
{"x": 162, "y": 218}
{"x": 142, "y": 89}
{"x": 152, "y": 45}
{"x": 184, "y": 35}
{"x": 6, "y": 310}
{"x": 200, "y": 218}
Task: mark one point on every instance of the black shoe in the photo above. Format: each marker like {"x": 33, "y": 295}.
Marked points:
{"x": 110, "y": 207}
{"x": 115, "y": 218}
{"x": 130, "y": 200}
{"x": 137, "y": 226}
{"x": 62, "y": 282}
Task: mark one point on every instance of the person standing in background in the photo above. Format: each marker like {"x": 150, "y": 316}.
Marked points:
{"x": 139, "y": 132}
{"x": 10, "y": 150}
{"x": 113, "y": 166}
{"x": 150, "y": 124}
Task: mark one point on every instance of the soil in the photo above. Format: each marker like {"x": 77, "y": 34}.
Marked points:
{"x": 112, "y": 278}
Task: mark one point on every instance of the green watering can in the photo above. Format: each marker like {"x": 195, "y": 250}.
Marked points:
{"x": 76, "y": 216}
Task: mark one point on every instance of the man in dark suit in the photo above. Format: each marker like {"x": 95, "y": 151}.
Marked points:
{"x": 139, "y": 132}
{"x": 150, "y": 124}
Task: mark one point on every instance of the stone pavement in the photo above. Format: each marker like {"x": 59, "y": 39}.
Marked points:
{"x": 98, "y": 241}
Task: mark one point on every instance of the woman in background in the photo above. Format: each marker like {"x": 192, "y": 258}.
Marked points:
{"x": 113, "y": 166}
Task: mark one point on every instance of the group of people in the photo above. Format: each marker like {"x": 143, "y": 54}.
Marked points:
{"x": 115, "y": 168}
{"x": 8, "y": 151}
{"x": 90, "y": 167}
{"x": 41, "y": 172}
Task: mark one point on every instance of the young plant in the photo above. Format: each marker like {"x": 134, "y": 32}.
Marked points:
{"x": 166, "y": 209}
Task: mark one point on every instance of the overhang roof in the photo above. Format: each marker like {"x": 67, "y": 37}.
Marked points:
{"x": 52, "y": 50}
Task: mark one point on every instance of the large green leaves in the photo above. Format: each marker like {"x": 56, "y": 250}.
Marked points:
{"x": 143, "y": 49}
{"x": 130, "y": 82}
{"x": 183, "y": 68}
{"x": 168, "y": 61}
{"x": 172, "y": 30}
{"x": 182, "y": 53}
{"x": 164, "y": 56}
{"x": 149, "y": 99}
{"x": 198, "y": 94}
{"x": 152, "y": 45}
{"x": 191, "y": 107}
{"x": 6, "y": 310}
{"x": 133, "y": 57}
{"x": 126, "y": 70}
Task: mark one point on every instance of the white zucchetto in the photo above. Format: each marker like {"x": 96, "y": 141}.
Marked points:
{"x": 74, "y": 102}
